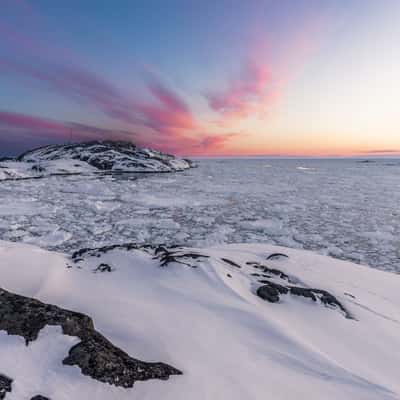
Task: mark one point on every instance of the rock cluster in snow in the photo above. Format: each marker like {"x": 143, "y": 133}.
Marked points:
{"x": 274, "y": 282}
{"x": 5, "y": 385}
{"x": 89, "y": 157}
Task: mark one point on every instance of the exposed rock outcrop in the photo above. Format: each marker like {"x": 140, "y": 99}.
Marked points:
{"x": 271, "y": 291}
{"x": 5, "y": 386}
{"x": 275, "y": 282}
{"x": 96, "y": 356}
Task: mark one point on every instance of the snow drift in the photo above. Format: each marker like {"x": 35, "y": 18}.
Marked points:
{"x": 200, "y": 311}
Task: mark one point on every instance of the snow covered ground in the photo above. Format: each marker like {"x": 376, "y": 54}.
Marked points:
{"x": 343, "y": 208}
{"x": 208, "y": 322}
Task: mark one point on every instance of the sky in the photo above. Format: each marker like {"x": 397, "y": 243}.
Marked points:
{"x": 203, "y": 78}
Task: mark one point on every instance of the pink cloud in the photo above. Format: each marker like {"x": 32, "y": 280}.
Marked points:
{"x": 260, "y": 84}
{"x": 39, "y": 130}
{"x": 173, "y": 126}
{"x": 77, "y": 84}
{"x": 22, "y": 121}
{"x": 243, "y": 92}
{"x": 381, "y": 151}
{"x": 48, "y": 66}
{"x": 170, "y": 113}
{"x": 31, "y": 127}
{"x": 194, "y": 145}
{"x": 215, "y": 142}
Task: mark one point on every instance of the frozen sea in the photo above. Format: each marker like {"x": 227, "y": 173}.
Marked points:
{"x": 344, "y": 208}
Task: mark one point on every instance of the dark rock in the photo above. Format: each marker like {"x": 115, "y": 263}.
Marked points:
{"x": 37, "y": 168}
{"x": 299, "y": 291}
{"x": 5, "y": 385}
{"x": 165, "y": 255}
{"x": 39, "y": 397}
{"x": 330, "y": 300}
{"x": 100, "y": 164}
{"x": 103, "y": 267}
{"x": 325, "y": 298}
{"x": 94, "y": 354}
{"x": 270, "y": 291}
{"x": 176, "y": 255}
{"x": 276, "y": 256}
{"x": 271, "y": 271}
{"x": 277, "y": 272}
{"x": 191, "y": 163}
{"x": 366, "y": 161}
{"x": 80, "y": 254}
{"x": 230, "y": 262}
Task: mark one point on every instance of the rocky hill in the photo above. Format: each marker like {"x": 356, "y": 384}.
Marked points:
{"x": 90, "y": 157}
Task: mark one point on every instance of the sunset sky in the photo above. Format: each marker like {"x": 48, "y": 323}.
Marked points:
{"x": 278, "y": 77}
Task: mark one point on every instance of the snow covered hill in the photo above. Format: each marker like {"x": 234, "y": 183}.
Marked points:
{"x": 88, "y": 158}
{"x": 239, "y": 321}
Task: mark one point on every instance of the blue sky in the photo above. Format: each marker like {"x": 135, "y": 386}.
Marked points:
{"x": 205, "y": 78}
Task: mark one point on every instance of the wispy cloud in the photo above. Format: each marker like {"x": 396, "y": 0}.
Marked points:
{"x": 33, "y": 59}
{"x": 32, "y": 128}
{"x": 19, "y": 132}
{"x": 381, "y": 151}
{"x": 261, "y": 83}
{"x": 162, "y": 120}
{"x": 165, "y": 112}
{"x": 21, "y": 121}
{"x": 243, "y": 93}
{"x": 169, "y": 112}
{"x": 194, "y": 145}
{"x": 216, "y": 142}
{"x": 72, "y": 82}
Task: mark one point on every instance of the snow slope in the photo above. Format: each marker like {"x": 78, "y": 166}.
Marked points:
{"x": 201, "y": 314}
{"x": 89, "y": 157}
